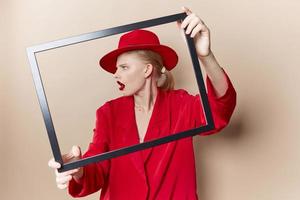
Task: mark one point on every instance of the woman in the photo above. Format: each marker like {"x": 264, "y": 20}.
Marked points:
{"x": 149, "y": 108}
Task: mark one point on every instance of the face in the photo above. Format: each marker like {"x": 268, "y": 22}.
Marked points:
{"x": 131, "y": 73}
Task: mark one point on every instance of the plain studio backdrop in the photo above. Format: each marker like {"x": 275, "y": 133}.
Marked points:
{"x": 256, "y": 157}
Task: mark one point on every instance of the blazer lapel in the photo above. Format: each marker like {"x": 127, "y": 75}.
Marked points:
{"x": 157, "y": 120}
{"x": 130, "y": 136}
{"x": 129, "y": 128}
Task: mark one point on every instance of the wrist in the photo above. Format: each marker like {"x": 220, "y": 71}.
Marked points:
{"x": 210, "y": 63}
{"x": 208, "y": 56}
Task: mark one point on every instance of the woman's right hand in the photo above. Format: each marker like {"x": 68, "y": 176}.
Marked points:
{"x": 62, "y": 179}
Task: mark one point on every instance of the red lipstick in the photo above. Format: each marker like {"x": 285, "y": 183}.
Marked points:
{"x": 122, "y": 86}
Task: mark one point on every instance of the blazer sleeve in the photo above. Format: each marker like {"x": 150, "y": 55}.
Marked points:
{"x": 221, "y": 107}
{"x": 96, "y": 174}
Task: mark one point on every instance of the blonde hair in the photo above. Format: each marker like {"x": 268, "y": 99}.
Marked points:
{"x": 165, "y": 79}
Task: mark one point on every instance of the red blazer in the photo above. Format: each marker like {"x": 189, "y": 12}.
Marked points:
{"x": 163, "y": 172}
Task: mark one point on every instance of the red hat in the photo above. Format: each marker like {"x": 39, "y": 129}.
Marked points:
{"x": 139, "y": 40}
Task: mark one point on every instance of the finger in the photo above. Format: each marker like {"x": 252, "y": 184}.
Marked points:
{"x": 62, "y": 186}
{"x": 192, "y": 25}
{"x": 63, "y": 180}
{"x": 196, "y": 30}
{"x": 200, "y": 28}
{"x": 186, "y": 10}
{"x": 53, "y": 164}
{"x": 67, "y": 157}
{"x": 178, "y": 22}
{"x": 187, "y": 20}
{"x": 66, "y": 173}
{"x": 76, "y": 151}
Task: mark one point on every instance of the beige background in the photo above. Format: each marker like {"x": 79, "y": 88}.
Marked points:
{"x": 255, "y": 157}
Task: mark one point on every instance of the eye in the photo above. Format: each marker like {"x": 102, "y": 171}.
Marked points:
{"x": 123, "y": 67}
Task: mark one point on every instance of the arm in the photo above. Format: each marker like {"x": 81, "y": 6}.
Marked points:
{"x": 199, "y": 31}
{"x": 221, "y": 94}
{"x": 95, "y": 174}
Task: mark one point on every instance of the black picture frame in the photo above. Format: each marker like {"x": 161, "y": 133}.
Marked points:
{"x": 33, "y": 50}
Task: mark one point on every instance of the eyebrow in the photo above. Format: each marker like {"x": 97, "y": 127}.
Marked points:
{"x": 122, "y": 65}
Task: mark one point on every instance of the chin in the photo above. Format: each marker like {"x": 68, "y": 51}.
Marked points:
{"x": 126, "y": 93}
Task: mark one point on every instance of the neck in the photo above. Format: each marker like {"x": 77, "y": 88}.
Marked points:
{"x": 144, "y": 99}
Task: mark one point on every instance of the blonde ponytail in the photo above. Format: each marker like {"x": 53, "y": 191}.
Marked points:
{"x": 166, "y": 81}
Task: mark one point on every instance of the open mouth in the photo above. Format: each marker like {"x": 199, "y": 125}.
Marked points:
{"x": 121, "y": 85}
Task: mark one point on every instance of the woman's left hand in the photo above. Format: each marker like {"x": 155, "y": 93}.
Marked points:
{"x": 194, "y": 26}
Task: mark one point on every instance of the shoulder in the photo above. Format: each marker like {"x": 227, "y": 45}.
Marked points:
{"x": 114, "y": 104}
{"x": 179, "y": 95}
{"x": 179, "y": 99}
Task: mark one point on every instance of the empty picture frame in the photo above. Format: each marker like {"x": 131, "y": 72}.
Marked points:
{"x": 32, "y": 51}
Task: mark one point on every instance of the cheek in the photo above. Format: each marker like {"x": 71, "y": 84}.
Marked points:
{"x": 135, "y": 81}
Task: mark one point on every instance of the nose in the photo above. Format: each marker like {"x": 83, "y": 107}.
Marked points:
{"x": 116, "y": 74}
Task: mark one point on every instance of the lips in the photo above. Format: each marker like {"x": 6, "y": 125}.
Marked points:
{"x": 121, "y": 85}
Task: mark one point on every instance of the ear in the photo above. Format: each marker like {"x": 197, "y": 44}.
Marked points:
{"x": 148, "y": 70}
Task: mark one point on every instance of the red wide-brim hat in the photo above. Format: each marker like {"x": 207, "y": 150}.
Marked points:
{"x": 139, "y": 40}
